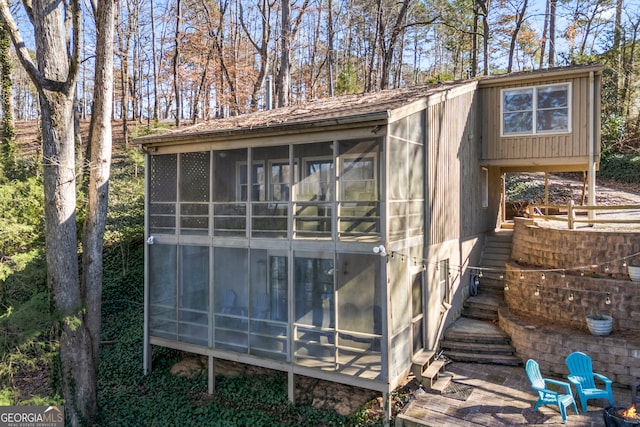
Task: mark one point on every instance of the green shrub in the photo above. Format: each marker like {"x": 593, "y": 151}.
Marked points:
{"x": 621, "y": 167}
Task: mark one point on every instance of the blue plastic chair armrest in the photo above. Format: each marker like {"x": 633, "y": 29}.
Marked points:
{"x": 602, "y": 378}
{"x": 559, "y": 383}
{"x": 546, "y": 391}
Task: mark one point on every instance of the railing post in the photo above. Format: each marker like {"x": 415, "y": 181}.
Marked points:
{"x": 571, "y": 215}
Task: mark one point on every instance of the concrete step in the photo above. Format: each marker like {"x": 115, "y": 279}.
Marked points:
{"x": 432, "y": 374}
{"x": 444, "y": 379}
{"x": 420, "y": 362}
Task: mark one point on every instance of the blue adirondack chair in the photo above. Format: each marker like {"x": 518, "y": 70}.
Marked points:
{"x": 546, "y": 396}
{"x": 582, "y": 376}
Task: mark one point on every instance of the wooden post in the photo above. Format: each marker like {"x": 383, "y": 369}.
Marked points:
{"x": 571, "y": 215}
{"x": 546, "y": 193}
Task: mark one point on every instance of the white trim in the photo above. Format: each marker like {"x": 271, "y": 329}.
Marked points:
{"x": 534, "y": 93}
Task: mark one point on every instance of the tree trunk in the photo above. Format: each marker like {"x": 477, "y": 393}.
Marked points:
{"x": 156, "y": 107}
{"x": 388, "y": 47}
{"x": 262, "y": 49}
{"x": 330, "y": 47}
{"x": 55, "y": 77}
{"x": 484, "y": 9}
{"x": 474, "y": 41}
{"x": 552, "y": 33}
{"x": 283, "y": 82}
{"x": 545, "y": 27}
{"x": 7, "y": 144}
{"x": 520, "y": 16}
{"x": 100, "y": 165}
{"x": 176, "y": 64}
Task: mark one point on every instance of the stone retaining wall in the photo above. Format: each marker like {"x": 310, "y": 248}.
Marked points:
{"x": 616, "y": 357}
{"x": 567, "y": 296}
{"x": 570, "y": 298}
{"x": 537, "y": 244}
{"x": 558, "y": 276}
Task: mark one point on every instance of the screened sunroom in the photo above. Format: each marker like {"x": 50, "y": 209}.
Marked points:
{"x": 300, "y": 245}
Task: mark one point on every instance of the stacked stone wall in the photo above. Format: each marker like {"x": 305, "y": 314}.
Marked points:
{"x": 555, "y": 278}
{"x": 615, "y": 356}
{"x": 587, "y": 250}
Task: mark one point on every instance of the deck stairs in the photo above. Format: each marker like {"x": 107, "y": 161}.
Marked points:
{"x": 475, "y": 336}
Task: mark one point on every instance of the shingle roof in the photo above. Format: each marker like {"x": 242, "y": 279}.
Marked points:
{"x": 336, "y": 110}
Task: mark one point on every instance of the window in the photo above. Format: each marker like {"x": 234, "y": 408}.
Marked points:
{"x": 534, "y": 110}
{"x": 443, "y": 279}
{"x": 485, "y": 187}
{"x": 279, "y": 180}
{"x": 358, "y": 180}
{"x": 257, "y": 181}
{"x": 318, "y": 179}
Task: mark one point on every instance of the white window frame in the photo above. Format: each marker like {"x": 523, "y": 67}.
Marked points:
{"x": 534, "y": 111}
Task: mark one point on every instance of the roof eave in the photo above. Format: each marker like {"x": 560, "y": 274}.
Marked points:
{"x": 315, "y": 125}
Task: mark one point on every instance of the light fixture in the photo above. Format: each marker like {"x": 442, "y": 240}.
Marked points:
{"x": 543, "y": 277}
{"x": 563, "y": 275}
{"x": 480, "y": 273}
{"x": 570, "y": 296}
{"x": 521, "y": 276}
{"x": 537, "y": 292}
{"x": 380, "y": 250}
{"x": 150, "y": 240}
{"x": 506, "y": 286}
{"x": 607, "y": 300}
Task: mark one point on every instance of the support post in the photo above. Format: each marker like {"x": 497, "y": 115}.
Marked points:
{"x": 291, "y": 389}
{"x": 211, "y": 380}
{"x": 386, "y": 401}
{"x": 592, "y": 149}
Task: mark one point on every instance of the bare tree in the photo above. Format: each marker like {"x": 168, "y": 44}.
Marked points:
{"x": 520, "y": 16}
{"x": 483, "y": 6}
{"x": 261, "y": 46}
{"x": 57, "y": 33}
{"x": 288, "y": 31}
{"x": 176, "y": 63}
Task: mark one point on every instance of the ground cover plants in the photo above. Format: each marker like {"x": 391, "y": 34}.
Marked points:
{"x": 28, "y": 333}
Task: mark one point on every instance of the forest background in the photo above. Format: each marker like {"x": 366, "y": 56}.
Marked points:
{"x": 178, "y": 62}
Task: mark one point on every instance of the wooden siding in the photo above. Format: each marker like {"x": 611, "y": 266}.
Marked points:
{"x": 542, "y": 149}
{"x": 453, "y": 172}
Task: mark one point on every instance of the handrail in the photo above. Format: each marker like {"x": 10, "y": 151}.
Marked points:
{"x": 535, "y": 210}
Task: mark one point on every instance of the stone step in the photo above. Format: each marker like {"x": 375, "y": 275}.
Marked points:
{"x": 471, "y": 330}
{"x": 496, "y": 359}
{"x": 479, "y": 314}
{"x": 484, "y": 301}
{"x": 476, "y": 348}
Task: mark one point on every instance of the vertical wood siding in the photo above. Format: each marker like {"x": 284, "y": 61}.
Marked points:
{"x": 453, "y": 173}
{"x": 544, "y": 146}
